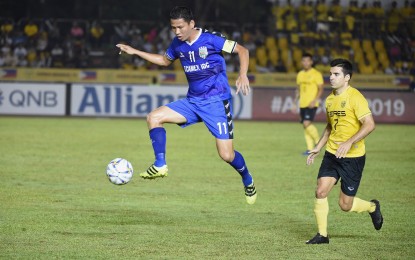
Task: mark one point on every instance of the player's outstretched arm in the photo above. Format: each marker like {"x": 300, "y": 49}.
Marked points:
{"x": 157, "y": 59}
{"x": 242, "y": 82}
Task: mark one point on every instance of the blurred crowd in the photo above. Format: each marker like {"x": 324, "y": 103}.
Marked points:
{"x": 378, "y": 39}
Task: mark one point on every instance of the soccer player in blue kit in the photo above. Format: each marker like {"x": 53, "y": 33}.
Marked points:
{"x": 208, "y": 98}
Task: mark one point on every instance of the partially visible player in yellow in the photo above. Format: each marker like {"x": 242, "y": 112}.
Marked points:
{"x": 349, "y": 121}
{"x": 308, "y": 94}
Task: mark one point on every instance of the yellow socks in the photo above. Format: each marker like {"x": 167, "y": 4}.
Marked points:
{"x": 311, "y": 136}
{"x": 321, "y": 210}
{"x": 308, "y": 140}
{"x": 360, "y": 205}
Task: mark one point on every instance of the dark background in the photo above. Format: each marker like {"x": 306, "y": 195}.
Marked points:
{"x": 205, "y": 11}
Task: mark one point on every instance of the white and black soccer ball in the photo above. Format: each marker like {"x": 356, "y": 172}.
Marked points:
{"x": 120, "y": 171}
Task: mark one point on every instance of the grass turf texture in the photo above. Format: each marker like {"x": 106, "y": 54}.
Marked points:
{"x": 56, "y": 201}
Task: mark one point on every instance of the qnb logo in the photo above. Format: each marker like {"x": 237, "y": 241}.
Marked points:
{"x": 336, "y": 113}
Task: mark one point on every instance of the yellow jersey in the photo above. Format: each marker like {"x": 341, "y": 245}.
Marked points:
{"x": 308, "y": 82}
{"x": 343, "y": 114}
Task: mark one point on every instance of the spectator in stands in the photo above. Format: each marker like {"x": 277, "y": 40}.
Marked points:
{"x": 321, "y": 11}
{"x": 138, "y": 64}
{"x": 20, "y": 52}
{"x": 31, "y": 30}
{"x": 42, "y": 42}
{"x": 77, "y": 32}
{"x": 6, "y": 39}
{"x": 303, "y": 9}
{"x": 393, "y": 18}
{"x": 395, "y": 52}
{"x": 9, "y": 59}
{"x": 134, "y": 30}
{"x": 31, "y": 56}
{"x": 122, "y": 32}
{"x": 408, "y": 11}
{"x": 388, "y": 70}
{"x": 45, "y": 60}
{"x": 354, "y": 9}
{"x": 278, "y": 12}
{"x": 324, "y": 65}
{"x": 69, "y": 51}
{"x": 54, "y": 33}
{"x": 96, "y": 32}
{"x": 336, "y": 13}
{"x": 57, "y": 56}
{"x": 7, "y": 26}
{"x": 152, "y": 35}
{"x": 405, "y": 69}
{"x": 19, "y": 38}
{"x": 6, "y": 48}
{"x": 136, "y": 36}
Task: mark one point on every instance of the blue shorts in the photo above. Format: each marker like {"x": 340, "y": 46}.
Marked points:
{"x": 217, "y": 116}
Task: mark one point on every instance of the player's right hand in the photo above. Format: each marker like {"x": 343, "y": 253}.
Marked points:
{"x": 242, "y": 84}
{"x": 311, "y": 155}
{"x": 125, "y": 48}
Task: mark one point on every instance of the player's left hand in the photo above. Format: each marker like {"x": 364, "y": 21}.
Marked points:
{"x": 343, "y": 149}
{"x": 242, "y": 84}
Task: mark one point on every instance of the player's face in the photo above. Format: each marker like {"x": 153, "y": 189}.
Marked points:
{"x": 182, "y": 29}
{"x": 307, "y": 62}
{"x": 337, "y": 78}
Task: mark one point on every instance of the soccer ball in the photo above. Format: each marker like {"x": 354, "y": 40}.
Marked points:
{"x": 120, "y": 171}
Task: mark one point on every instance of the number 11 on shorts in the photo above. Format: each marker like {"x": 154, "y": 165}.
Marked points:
{"x": 222, "y": 127}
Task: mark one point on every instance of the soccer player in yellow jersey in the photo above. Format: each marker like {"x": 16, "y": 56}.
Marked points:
{"x": 349, "y": 121}
{"x": 309, "y": 91}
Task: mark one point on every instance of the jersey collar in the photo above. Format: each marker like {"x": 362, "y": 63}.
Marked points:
{"x": 197, "y": 36}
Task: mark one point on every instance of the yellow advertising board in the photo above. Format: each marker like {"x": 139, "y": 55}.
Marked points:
{"x": 117, "y": 76}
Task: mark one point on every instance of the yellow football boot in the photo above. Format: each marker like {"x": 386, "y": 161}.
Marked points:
{"x": 154, "y": 172}
{"x": 250, "y": 194}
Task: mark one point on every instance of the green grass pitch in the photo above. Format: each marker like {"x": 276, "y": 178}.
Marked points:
{"x": 56, "y": 201}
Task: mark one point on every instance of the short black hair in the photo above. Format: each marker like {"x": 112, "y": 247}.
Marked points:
{"x": 307, "y": 55}
{"x": 346, "y": 66}
{"x": 181, "y": 12}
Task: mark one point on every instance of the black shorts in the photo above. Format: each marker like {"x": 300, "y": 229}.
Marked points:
{"x": 307, "y": 114}
{"x": 348, "y": 169}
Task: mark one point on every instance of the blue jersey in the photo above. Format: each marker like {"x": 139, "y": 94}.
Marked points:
{"x": 204, "y": 66}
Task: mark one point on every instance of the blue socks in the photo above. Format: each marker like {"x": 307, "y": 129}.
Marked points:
{"x": 158, "y": 140}
{"x": 239, "y": 165}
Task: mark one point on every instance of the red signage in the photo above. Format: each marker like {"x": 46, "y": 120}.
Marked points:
{"x": 387, "y": 107}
